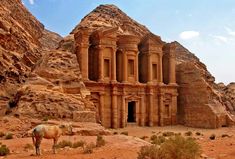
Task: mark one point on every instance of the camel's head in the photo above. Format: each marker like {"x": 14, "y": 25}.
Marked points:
{"x": 67, "y": 129}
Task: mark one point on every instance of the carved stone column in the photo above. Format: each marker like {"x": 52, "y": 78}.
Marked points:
{"x": 114, "y": 69}
{"x": 137, "y": 68}
{"x": 82, "y": 46}
{"x": 123, "y": 112}
{"x": 102, "y": 113}
{"x": 160, "y": 77}
{"x": 82, "y": 56}
{"x": 124, "y": 67}
{"x": 174, "y": 109}
{"x": 161, "y": 110}
{"x": 114, "y": 111}
{"x": 150, "y": 108}
{"x": 142, "y": 120}
{"x": 101, "y": 64}
{"x": 150, "y": 77}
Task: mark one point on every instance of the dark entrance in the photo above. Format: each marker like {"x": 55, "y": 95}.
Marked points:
{"x": 131, "y": 112}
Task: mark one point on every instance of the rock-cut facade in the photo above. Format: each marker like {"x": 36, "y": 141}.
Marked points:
{"x": 132, "y": 80}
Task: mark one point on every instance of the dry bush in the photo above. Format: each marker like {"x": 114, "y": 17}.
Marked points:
{"x": 28, "y": 147}
{"x": 2, "y": 134}
{"x": 64, "y": 143}
{"x": 9, "y": 136}
{"x": 157, "y": 140}
{"x": 149, "y": 152}
{"x": 78, "y": 144}
{"x": 188, "y": 133}
{"x": 144, "y": 137}
{"x": 176, "y": 147}
{"x": 179, "y": 147}
{"x": 4, "y": 150}
{"x": 212, "y": 137}
{"x": 45, "y": 118}
{"x": 168, "y": 133}
{"x": 88, "y": 149}
{"x": 198, "y": 133}
{"x": 100, "y": 141}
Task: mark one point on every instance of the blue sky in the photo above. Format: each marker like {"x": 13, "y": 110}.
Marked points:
{"x": 205, "y": 27}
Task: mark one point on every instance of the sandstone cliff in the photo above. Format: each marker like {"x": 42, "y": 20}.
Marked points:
{"x": 36, "y": 79}
{"x": 200, "y": 103}
{"x": 228, "y": 95}
{"x": 111, "y": 16}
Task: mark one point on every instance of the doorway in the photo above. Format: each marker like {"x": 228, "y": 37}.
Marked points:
{"x": 131, "y": 118}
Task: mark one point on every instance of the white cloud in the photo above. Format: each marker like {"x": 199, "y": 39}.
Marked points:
{"x": 229, "y": 31}
{"x": 220, "y": 38}
{"x": 186, "y": 35}
{"x": 31, "y": 2}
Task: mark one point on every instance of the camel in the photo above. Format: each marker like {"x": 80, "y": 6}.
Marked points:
{"x": 49, "y": 132}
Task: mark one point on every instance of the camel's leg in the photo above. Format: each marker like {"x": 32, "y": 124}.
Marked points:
{"x": 37, "y": 145}
{"x": 54, "y": 145}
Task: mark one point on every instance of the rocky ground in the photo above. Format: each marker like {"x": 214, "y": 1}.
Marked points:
{"x": 126, "y": 147}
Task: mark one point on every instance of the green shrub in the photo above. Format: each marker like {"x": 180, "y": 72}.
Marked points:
{"x": 88, "y": 149}
{"x": 100, "y": 141}
{"x": 28, "y": 147}
{"x": 212, "y": 137}
{"x": 188, "y": 133}
{"x": 4, "y": 150}
{"x": 64, "y": 143}
{"x": 78, "y": 144}
{"x": 168, "y": 133}
{"x": 124, "y": 133}
{"x": 149, "y": 152}
{"x": 157, "y": 140}
{"x": 9, "y": 136}
{"x": 179, "y": 147}
{"x": 2, "y": 134}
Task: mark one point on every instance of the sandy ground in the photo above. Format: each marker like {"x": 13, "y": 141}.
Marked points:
{"x": 126, "y": 147}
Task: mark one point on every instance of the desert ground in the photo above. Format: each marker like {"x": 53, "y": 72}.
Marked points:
{"x": 121, "y": 146}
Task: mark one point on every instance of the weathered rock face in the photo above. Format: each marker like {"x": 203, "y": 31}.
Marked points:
{"x": 54, "y": 88}
{"x": 20, "y": 36}
{"x": 111, "y": 16}
{"x": 199, "y": 102}
{"x": 36, "y": 79}
{"x": 50, "y": 40}
{"x": 228, "y": 95}
{"x": 19, "y": 47}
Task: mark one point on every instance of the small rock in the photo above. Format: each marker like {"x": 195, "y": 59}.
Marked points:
{"x": 204, "y": 156}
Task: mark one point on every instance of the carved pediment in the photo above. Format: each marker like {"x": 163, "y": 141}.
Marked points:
{"x": 151, "y": 42}
{"x": 133, "y": 97}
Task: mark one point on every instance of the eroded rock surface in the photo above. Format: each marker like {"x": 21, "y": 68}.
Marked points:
{"x": 199, "y": 102}
{"x": 228, "y": 95}
{"x": 36, "y": 79}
